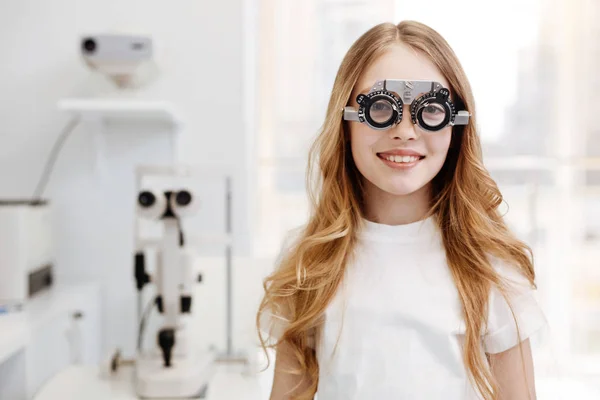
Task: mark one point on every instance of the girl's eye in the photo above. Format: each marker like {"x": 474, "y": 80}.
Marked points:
{"x": 431, "y": 109}
{"x": 433, "y": 114}
{"x": 381, "y": 111}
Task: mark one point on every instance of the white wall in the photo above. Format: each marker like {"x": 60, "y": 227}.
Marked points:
{"x": 204, "y": 53}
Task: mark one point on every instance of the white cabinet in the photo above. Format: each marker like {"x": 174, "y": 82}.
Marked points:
{"x": 12, "y": 377}
{"x": 47, "y": 352}
{"x": 62, "y": 327}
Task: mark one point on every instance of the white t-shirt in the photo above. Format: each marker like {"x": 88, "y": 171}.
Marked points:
{"x": 394, "y": 329}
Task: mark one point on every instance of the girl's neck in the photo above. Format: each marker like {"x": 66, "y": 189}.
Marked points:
{"x": 385, "y": 208}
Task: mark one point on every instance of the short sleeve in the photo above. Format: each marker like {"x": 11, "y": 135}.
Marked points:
{"x": 274, "y": 321}
{"x": 501, "y": 332}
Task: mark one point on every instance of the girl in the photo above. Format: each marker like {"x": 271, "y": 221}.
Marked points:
{"x": 405, "y": 283}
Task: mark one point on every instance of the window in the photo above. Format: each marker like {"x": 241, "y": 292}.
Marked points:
{"x": 301, "y": 47}
{"x": 537, "y": 114}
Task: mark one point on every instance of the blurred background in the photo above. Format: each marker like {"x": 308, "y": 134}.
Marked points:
{"x": 240, "y": 88}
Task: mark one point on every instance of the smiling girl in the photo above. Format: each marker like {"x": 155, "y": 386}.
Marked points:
{"x": 405, "y": 283}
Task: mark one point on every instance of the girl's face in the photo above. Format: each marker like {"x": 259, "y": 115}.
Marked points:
{"x": 371, "y": 147}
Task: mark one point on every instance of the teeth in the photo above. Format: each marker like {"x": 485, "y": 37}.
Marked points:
{"x": 402, "y": 159}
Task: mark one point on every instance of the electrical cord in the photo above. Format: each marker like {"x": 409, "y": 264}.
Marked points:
{"x": 145, "y": 316}
{"x": 58, "y": 144}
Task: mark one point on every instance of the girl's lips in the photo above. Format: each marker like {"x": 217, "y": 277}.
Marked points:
{"x": 401, "y": 165}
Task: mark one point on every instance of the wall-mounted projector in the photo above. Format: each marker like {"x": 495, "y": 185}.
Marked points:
{"x": 122, "y": 58}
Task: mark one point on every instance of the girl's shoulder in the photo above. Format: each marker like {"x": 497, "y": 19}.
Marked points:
{"x": 511, "y": 274}
{"x": 514, "y": 313}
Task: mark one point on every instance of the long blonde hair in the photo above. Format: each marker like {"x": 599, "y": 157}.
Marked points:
{"x": 465, "y": 202}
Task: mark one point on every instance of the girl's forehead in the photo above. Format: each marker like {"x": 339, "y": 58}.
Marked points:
{"x": 400, "y": 62}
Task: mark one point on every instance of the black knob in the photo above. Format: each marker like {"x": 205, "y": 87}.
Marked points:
{"x": 185, "y": 304}
{"x": 159, "y": 303}
{"x": 141, "y": 277}
{"x": 166, "y": 341}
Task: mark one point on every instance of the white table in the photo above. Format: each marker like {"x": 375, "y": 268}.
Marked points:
{"x": 45, "y": 337}
{"x": 14, "y": 334}
{"x": 78, "y": 382}
{"x": 85, "y": 382}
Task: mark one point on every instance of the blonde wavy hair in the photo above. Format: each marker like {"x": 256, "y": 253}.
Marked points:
{"x": 465, "y": 201}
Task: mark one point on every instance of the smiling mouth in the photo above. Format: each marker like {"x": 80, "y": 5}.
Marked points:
{"x": 400, "y": 159}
